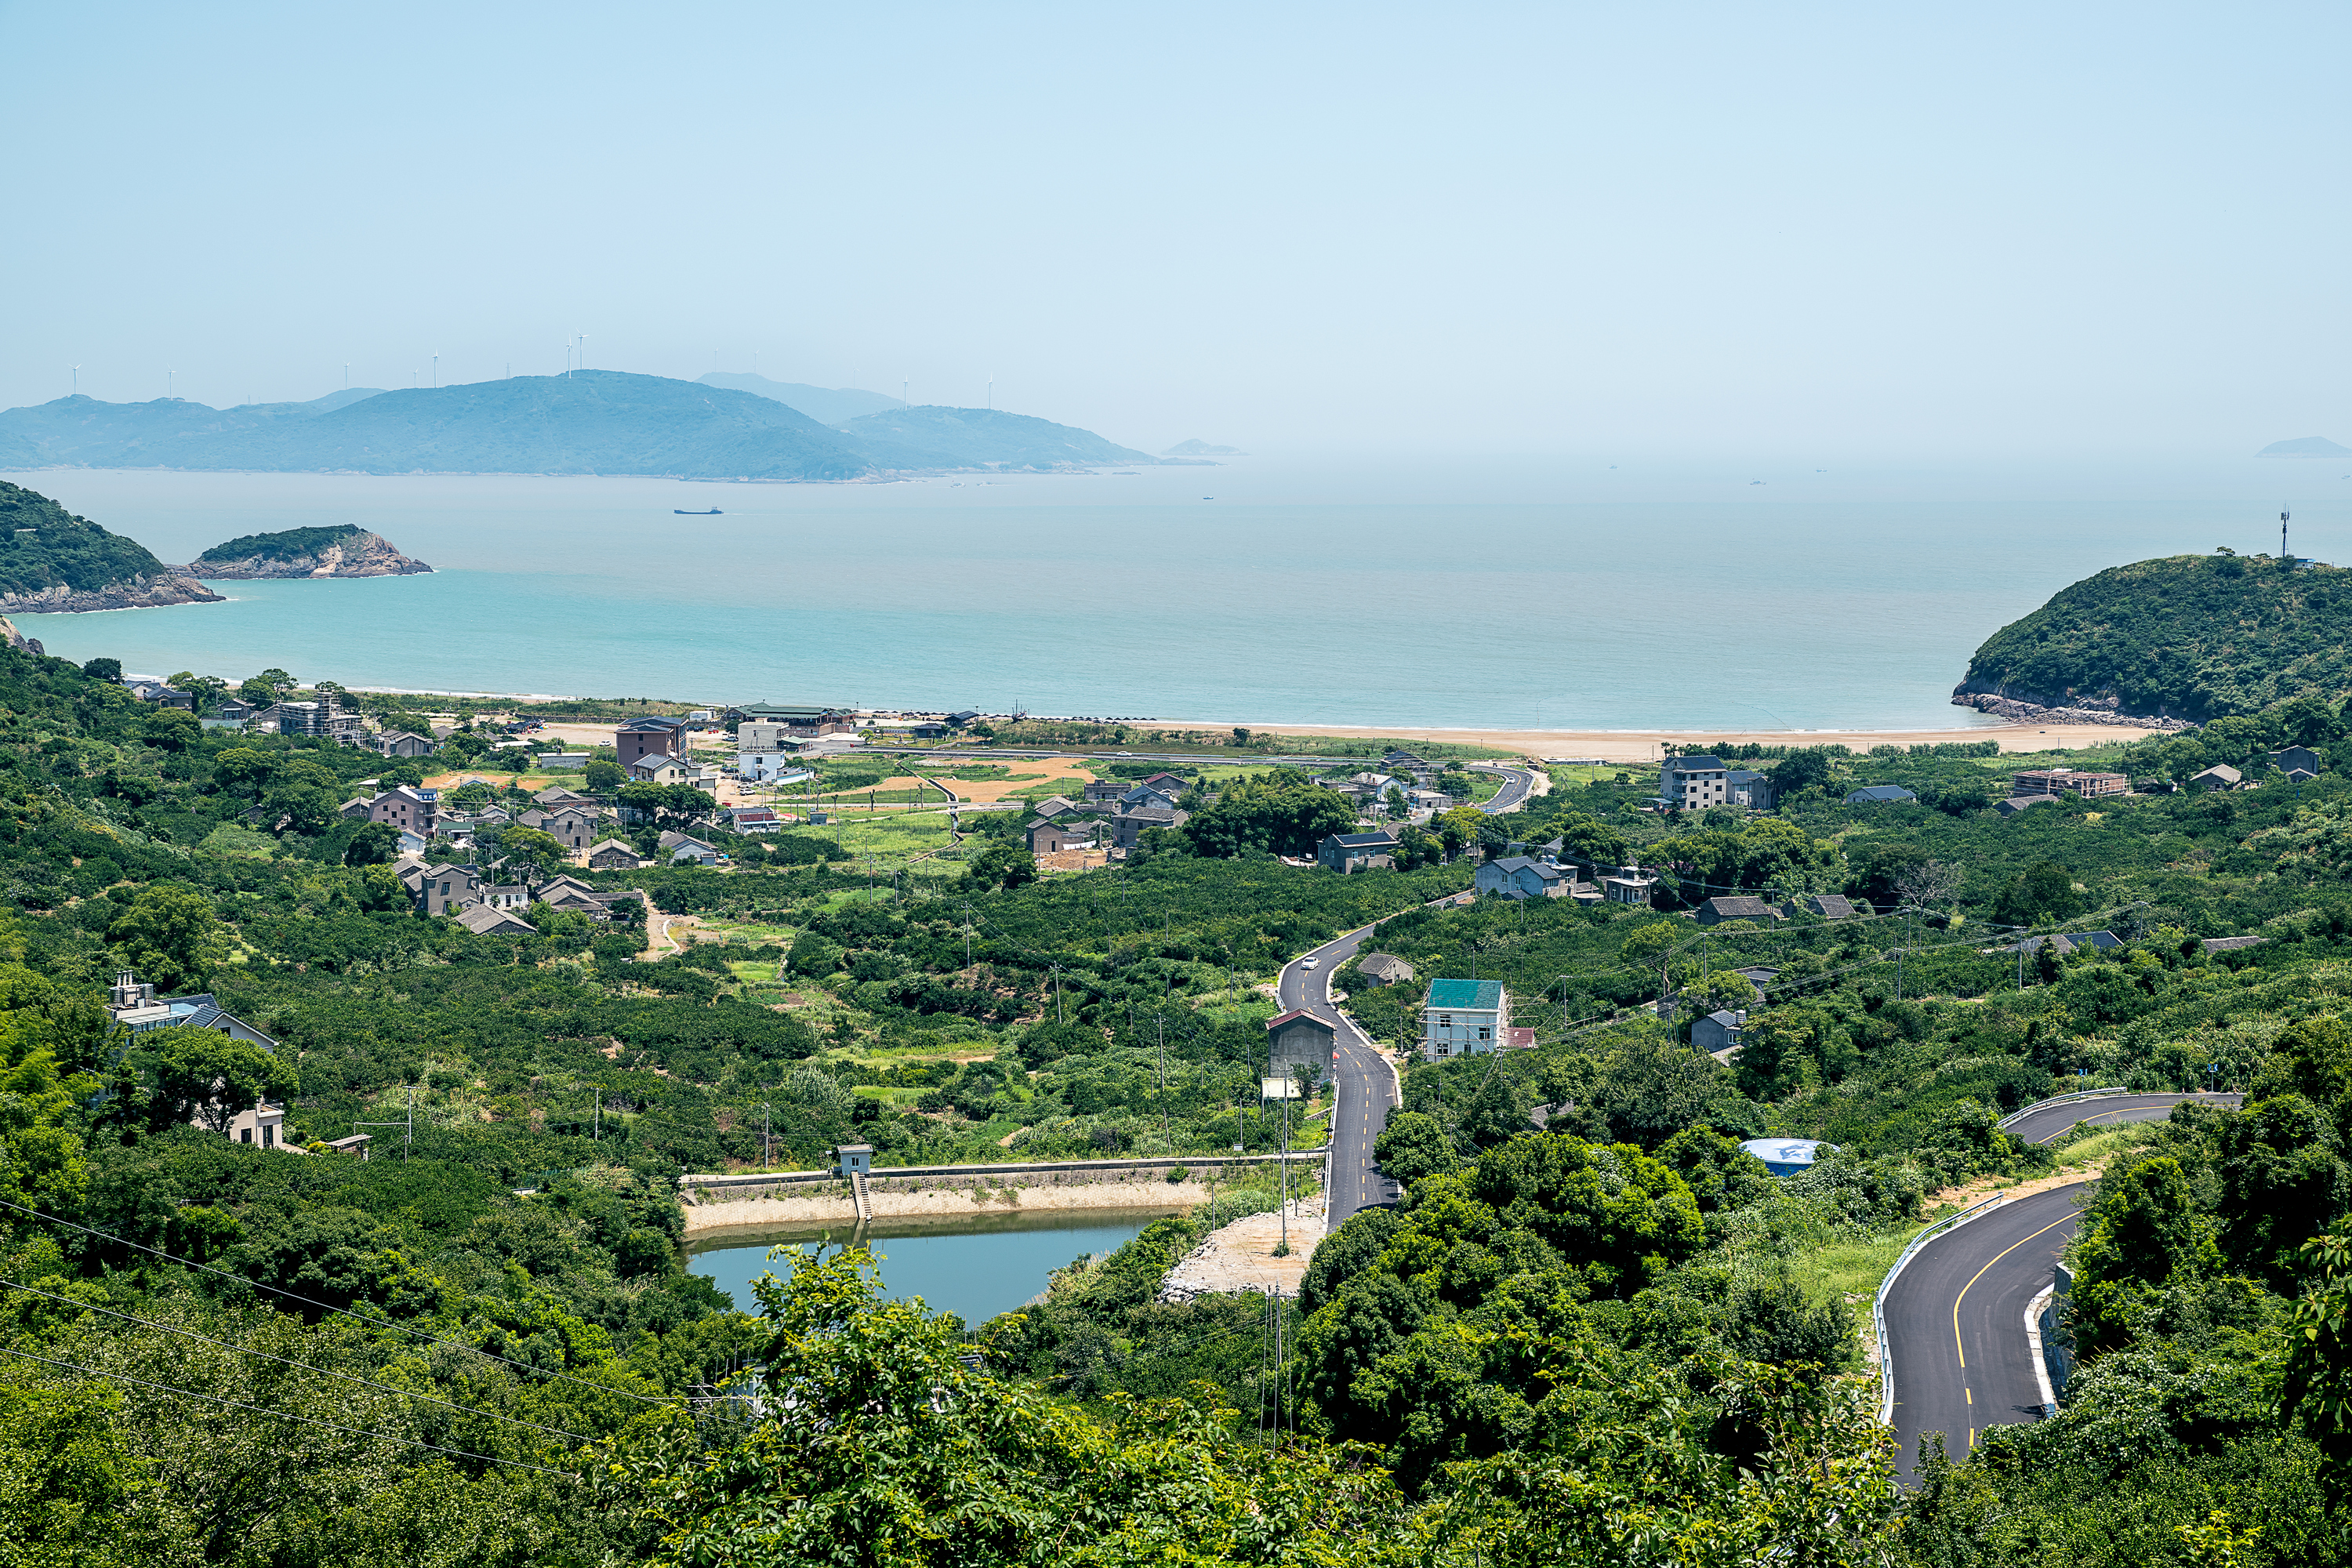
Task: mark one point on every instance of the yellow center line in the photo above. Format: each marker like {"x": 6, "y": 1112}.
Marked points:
{"x": 1980, "y": 1274}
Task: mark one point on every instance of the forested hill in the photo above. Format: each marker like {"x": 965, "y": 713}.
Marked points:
{"x": 2187, "y": 636}
{"x": 591, "y": 422}
{"x": 50, "y": 559}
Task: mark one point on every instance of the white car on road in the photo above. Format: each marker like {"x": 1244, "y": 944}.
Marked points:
{"x": 1310, "y": 962}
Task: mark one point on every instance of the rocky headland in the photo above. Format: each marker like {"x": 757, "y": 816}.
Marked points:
{"x": 343, "y": 551}
{"x": 146, "y": 591}
{"x": 2024, "y": 712}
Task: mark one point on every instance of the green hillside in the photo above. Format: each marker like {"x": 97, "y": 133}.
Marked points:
{"x": 43, "y": 545}
{"x": 2193, "y": 636}
{"x": 291, "y": 544}
{"x": 935, "y": 437}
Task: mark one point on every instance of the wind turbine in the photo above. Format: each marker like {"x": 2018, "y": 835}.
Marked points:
{"x": 436, "y": 368}
{"x": 76, "y": 375}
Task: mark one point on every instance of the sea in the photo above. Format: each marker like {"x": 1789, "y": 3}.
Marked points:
{"x": 1493, "y": 594}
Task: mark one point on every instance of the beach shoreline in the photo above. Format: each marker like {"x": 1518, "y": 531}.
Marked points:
{"x": 1649, "y": 745}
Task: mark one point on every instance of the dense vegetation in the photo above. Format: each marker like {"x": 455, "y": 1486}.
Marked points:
{"x": 42, "y": 545}
{"x": 286, "y": 545}
{"x": 2192, "y": 637}
{"x": 1616, "y": 1338}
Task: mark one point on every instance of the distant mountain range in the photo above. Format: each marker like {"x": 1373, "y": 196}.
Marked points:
{"x": 826, "y": 405}
{"x": 590, "y": 422}
{"x": 2306, "y": 447}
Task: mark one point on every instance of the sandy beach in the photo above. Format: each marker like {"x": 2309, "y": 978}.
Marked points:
{"x": 1649, "y": 745}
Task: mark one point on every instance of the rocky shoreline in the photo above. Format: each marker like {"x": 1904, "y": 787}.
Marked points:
{"x": 353, "y": 555}
{"x": 131, "y": 593}
{"x": 2022, "y": 713}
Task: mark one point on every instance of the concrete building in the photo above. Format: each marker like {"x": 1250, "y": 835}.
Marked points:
{"x": 1523, "y": 877}
{"x": 2291, "y": 760}
{"x": 1828, "y": 906}
{"x": 653, "y": 736}
{"x": 1298, "y": 1038}
{"x": 2220, "y": 776}
{"x": 802, "y": 722}
{"x": 1053, "y": 837}
{"x": 1737, "y": 907}
{"x": 1463, "y": 1017}
{"x": 1717, "y": 1034}
{"x": 443, "y": 889}
{"x": 1752, "y": 789}
{"x": 2067, "y": 780}
{"x": 1694, "y": 783}
{"x": 1372, "y": 850}
{"x": 133, "y": 1005}
{"x": 613, "y": 855}
{"x": 1629, "y": 885}
{"x": 409, "y": 808}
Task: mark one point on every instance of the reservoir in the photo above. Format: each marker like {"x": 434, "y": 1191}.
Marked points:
{"x": 973, "y": 1268}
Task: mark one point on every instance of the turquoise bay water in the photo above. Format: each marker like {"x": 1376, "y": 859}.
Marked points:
{"x": 974, "y": 1268}
{"x": 1535, "y": 595}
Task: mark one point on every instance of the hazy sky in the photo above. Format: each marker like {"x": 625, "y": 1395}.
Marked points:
{"x": 1956, "y": 232}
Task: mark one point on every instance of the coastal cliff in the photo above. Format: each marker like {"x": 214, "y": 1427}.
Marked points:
{"x": 51, "y": 561}
{"x": 340, "y": 552}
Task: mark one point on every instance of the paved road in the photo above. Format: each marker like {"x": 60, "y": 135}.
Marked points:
{"x": 1956, "y": 1323}
{"x": 1956, "y": 1317}
{"x": 1366, "y": 1086}
{"x": 2045, "y": 1125}
{"x": 1519, "y": 783}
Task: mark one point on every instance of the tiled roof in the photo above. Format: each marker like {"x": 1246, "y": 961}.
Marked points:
{"x": 1472, "y": 995}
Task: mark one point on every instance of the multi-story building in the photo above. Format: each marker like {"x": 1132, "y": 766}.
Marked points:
{"x": 1694, "y": 783}
{"x": 1463, "y": 1017}
{"x": 656, "y": 735}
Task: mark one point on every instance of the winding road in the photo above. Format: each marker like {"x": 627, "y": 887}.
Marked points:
{"x": 1956, "y": 1326}
{"x": 1366, "y": 1084}
{"x": 1520, "y": 785}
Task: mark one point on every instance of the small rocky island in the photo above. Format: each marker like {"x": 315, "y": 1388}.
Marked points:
{"x": 344, "y": 550}
{"x": 51, "y": 560}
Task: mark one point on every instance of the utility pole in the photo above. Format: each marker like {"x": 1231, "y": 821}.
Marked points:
{"x": 765, "y": 1157}
{"x": 1057, "y": 994}
{"x": 1162, "y": 1025}
{"x": 599, "y": 1135}
{"x": 967, "y": 933}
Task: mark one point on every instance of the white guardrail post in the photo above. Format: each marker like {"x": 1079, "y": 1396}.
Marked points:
{"x": 1944, "y": 1227}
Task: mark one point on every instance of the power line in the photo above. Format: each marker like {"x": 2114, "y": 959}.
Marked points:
{"x": 305, "y": 1366}
{"x": 338, "y": 1312}
{"x": 281, "y": 1415}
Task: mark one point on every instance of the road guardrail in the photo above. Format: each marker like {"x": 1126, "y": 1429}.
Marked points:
{"x": 2079, "y": 1095}
{"x": 1942, "y": 1227}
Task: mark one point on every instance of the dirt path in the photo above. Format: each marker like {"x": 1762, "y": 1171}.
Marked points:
{"x": 1241, "y": 1256}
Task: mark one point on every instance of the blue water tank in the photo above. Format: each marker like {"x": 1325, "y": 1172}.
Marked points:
{"x": 1786, "y": 1156}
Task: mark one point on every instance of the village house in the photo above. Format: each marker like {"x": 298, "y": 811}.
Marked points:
{"x": 2220, "y": 776}
{"x": 1151, "y": 797}
{"x": 1105, "y": 791}
{"x": 661, "y": 768}
{"x": 1880, "y": 795}
{"x": 2293, "y": 760}
{"x": 407, "y": 806}
{"x": 1717, "y": 1034}
{"x": 1463, "y": 1017}
{"x": 613, "y": 855}
{"x": 572, "y": 827}
{"x": 2016, "y": 803}
{"x": 1300, "y": 1039}
{"x": 484, "y": 921}
{"x": 1050, "y": 837}
{"x": 1523, "y": 877}
{"x": 751, "y": 819}
{"x": 133, "y": 1005}
{"x": 1737, "y": 907}
{"x": 1129, "y": 827}
{"x": 2067, "y": 780}
{"x": 1694, "y": 783}
{"x": 655, "y": 735}
{"x": 798, "y": 721}
{"x": 681, "y": 849}
{"x": 400, "y": 743}
{"x": 444, "y": 888}
{"x": 1629, "y": 885}
{"x": 1745, "y": 786}
{"x": 1828, "y": 906}
{"x": 1384, "y": 969}
{"x": 1371, "y": 850}
{"x": 1055, "y": 806}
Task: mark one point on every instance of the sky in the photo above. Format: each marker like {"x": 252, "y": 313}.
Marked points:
{"x": 1798, "y": 232}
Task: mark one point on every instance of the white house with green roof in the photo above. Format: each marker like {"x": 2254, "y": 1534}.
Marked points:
{"x": 1464, "y": 1019}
